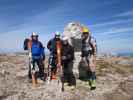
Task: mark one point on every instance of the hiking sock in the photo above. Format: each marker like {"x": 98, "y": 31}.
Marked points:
{"x": 93, "y": 75}
{"x": 89, "y": 73}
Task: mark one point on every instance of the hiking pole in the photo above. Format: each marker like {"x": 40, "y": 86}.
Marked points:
{"x": 61, "y": 76}
{"x": 62, "y": 79}
{"x": 49, "y": 68}
{"x": 49, "y": 74}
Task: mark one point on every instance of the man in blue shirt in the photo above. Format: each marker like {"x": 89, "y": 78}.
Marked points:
{"x": 37, "y": 55}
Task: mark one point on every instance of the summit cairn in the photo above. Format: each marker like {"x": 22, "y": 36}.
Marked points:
{"x": 73, "y": 31}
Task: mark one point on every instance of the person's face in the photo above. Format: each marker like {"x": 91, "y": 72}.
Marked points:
{"x": 35, "y": 38}
{"x": 65, "y": 42}
{"x": 57, "y": 37}
{"x": 85, "y": 35}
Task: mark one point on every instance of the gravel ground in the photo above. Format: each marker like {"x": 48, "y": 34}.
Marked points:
{"x": 114, "y": 82}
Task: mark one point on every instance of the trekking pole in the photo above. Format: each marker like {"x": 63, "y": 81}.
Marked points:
{"x": 49, "y": 67}
{"x": 62, "y": 79}
{"x": 49, "y": 70}
{"x": 61, "y": 76}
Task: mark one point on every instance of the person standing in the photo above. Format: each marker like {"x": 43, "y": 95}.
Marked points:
{"x": 37, "y": 55}
{"x": 52, "y": 46}
{"x": 89, "y": 55}
{"x": 67, "y": 62}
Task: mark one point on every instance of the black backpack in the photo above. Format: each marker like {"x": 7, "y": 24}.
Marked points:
{"x": 25, "y": 45}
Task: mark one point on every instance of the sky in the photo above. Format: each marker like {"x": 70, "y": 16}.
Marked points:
{"x": 110, "y": 21}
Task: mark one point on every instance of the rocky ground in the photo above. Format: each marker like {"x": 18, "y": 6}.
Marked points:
{"x": 114, "y": 81}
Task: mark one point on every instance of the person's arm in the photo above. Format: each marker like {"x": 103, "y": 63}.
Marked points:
{"x": 42, "y": 51}
{"x": 94, "y": 48}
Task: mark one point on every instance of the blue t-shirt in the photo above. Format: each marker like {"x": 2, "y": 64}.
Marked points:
{"x": 37, "y": 50}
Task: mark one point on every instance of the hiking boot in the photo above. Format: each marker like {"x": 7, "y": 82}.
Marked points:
{"x": 93, "y": 84}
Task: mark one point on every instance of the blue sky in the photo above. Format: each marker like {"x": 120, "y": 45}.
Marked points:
{"x": 110, "y": 21}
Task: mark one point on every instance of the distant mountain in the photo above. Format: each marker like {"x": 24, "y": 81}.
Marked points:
{"x": 9, "y": 50}
{"x": 125, "y": 54}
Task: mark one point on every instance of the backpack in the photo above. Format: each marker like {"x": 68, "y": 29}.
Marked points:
{"x": 88, "y": 46}
{"x": 91, "y": 42}
{"x": 25, "y": 44}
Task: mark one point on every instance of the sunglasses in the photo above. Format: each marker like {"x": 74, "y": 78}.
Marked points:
{"x": 85, "y": 33}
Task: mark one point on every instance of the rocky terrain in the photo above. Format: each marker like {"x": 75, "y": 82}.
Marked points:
{"x": 114, "y": 81}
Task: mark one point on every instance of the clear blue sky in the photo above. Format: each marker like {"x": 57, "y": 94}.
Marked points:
{"x": 110, "y": 21}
